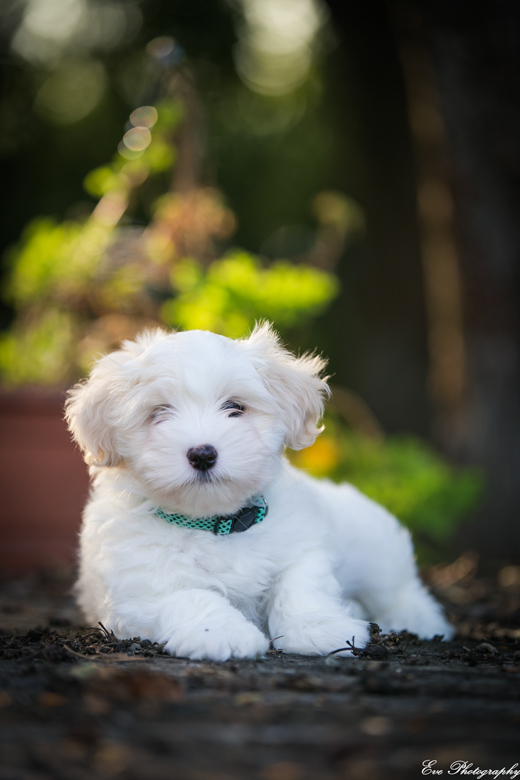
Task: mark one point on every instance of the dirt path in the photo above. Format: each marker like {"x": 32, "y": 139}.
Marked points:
{"x": 77, "y": 703}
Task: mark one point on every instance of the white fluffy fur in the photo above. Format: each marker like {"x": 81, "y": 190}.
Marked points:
{"x": 324, "y": 557}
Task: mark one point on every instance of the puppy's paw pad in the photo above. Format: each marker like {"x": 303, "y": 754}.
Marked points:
{"x": 322, "y": 637}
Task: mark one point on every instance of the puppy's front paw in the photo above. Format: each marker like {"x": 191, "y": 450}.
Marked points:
{"x": 219, "y": 643}
{"x": 310, "y": 635}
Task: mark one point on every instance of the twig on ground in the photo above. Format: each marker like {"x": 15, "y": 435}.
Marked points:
{"x": 109, "y": 634}
{"x": 351, "y": 646}
{"x": 272, "y": 648}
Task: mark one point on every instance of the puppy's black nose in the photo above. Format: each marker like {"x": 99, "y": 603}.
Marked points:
{"x": 203, "y": 457}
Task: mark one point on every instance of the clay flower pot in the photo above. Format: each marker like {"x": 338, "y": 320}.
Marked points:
{"x": 43, "y": 482}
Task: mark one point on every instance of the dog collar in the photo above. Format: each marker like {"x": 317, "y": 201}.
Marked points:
{"x": 221, "y": 525}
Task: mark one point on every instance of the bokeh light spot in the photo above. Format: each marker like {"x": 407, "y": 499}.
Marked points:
{"x": 71, "y": 93}
{"x": 51, "y": 29}
{"x": 145, "y": 116}
{"x": 54, "y": 19}
{"x": 275, "y": 49}
{"x": 137, "y": 139}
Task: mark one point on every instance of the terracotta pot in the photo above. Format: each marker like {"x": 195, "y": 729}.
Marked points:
{"x": 43, "y": 482}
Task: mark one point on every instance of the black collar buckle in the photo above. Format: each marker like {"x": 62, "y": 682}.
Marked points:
{"x": 241, "y": 520}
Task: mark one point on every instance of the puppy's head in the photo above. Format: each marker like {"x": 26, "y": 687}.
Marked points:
{"x": 199, "y": 420}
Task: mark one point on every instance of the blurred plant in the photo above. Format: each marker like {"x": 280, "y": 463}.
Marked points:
{"x": 237, "y": 290}
{"x": 79, "y": 287}
{"x": 403, "y": 474}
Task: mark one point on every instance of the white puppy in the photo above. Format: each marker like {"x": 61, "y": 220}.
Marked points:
{"x": 185, "y": 434}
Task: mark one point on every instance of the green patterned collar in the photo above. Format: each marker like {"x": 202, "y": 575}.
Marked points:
{"x": 221, "y": 525}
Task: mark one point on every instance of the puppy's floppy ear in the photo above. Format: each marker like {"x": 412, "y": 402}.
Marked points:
{"x": 94, "y": 406}
{"x": 296, "y": 383}
{"x": 89, "y": 412}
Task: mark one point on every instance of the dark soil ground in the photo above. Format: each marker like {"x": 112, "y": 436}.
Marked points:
{"x": 77, "y": 703}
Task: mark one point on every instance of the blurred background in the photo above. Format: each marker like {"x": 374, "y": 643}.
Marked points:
{"x": 347, "y": 170}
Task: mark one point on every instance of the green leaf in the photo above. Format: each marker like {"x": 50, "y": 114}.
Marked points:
{"x": 237, "y": 290}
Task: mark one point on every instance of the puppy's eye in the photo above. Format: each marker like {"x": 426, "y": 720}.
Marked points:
{"x": 234, "y": 408}
{"x": 161, "y": 412}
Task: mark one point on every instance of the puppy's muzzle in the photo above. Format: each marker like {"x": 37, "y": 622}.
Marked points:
{"x": 202, "y": 458}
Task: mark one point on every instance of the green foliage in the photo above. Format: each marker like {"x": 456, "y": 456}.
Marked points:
{"x": 68, "y": 277}
{"x": 237, "y": 291}
{"x": 403, "y": 474}
{"x": 55, "y": 260}
{"x": 39, "y": 353}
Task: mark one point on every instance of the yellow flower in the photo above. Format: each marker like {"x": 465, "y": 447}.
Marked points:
{"x": 321, "y": 458}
